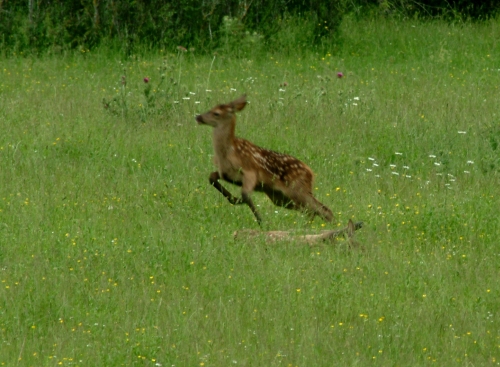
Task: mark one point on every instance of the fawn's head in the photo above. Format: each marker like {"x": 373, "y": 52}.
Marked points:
{"x": 223, "y": 113}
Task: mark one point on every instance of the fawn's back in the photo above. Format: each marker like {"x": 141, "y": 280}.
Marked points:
{"x": 274, "y": 170}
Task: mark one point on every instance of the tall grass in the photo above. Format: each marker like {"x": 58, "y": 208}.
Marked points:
{"x": 115, "y": 250}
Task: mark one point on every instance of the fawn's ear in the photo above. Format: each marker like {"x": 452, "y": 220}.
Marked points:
{"x": 240, "y": 103}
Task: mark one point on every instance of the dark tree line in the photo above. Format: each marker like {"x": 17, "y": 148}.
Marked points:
{"x": 41, "y": 24}
{"x": 447, "y": 9}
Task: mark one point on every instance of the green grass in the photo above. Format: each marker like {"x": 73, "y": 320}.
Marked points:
{"x": 115, "y": 250}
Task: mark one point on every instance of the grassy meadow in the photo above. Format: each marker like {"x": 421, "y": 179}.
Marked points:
{"x": 115, "y": 251}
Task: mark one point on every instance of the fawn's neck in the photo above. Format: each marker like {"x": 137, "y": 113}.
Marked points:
{"x": 223, "y": 139}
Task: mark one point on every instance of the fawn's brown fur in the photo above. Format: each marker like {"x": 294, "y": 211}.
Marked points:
{"x": 284, "y": 179}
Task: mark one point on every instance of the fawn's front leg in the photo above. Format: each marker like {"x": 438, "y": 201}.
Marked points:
{"x": 214, "y": 181}
{"x": 245, "y": 195}
{"x": 248, "y": 185}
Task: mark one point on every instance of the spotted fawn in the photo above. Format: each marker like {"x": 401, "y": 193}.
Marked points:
{"x": 284, "y": 179}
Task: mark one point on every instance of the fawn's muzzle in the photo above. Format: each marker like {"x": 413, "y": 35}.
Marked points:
{"x": 199, "y": 119}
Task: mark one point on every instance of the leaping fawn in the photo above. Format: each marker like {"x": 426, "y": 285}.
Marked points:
{"x": 284, "y": 179}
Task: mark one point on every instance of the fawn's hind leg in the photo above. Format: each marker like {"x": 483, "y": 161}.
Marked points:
{"x": 280, "y": 199}
{"x": 309, "y": 203}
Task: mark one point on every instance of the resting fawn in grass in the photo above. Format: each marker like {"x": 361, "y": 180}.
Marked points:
{"x": 284, "y": 179}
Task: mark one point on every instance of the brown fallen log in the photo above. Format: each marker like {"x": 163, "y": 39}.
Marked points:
{"x": 310, "y": 239}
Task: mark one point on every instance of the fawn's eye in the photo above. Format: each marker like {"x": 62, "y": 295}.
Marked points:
{"x": 216, "y": 114}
